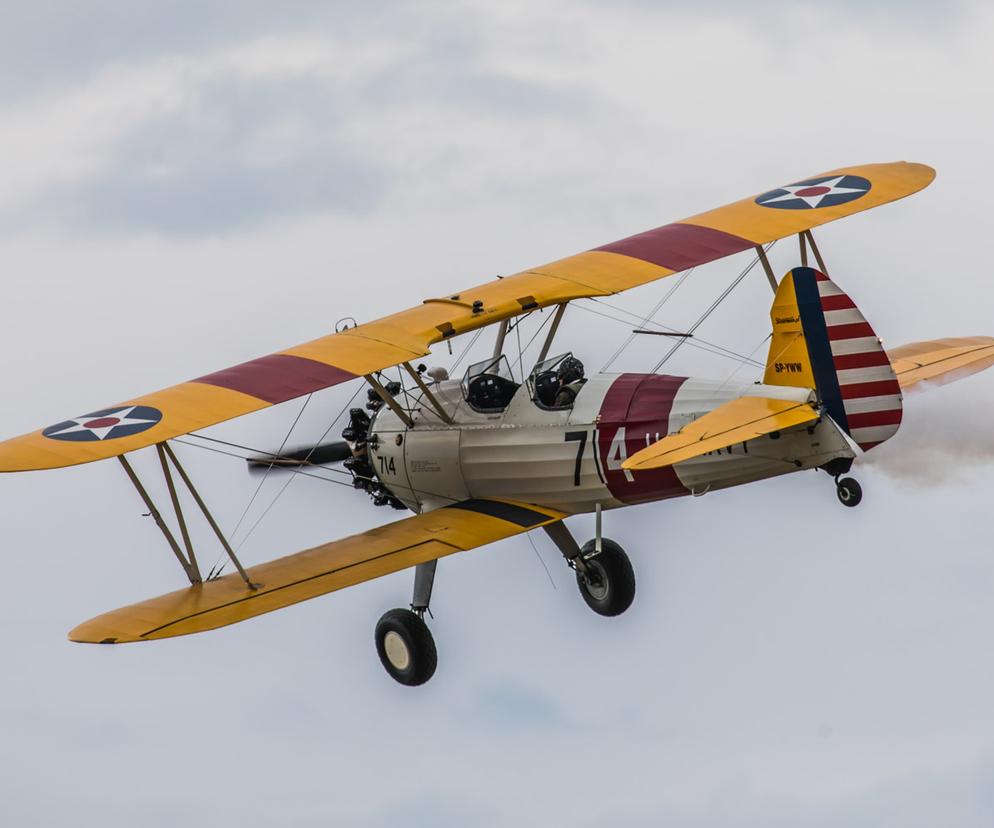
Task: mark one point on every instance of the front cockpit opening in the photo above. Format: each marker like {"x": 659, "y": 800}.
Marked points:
{"x": 554, "y": 383}
{"x": 489, "y": 386}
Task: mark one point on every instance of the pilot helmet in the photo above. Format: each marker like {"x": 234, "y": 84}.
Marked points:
{"x": 570, "y": 370}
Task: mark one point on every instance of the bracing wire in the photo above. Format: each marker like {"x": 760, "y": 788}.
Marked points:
{"x": 647, "y": 319}
{"x": 738, "y": 367}
{"x": 262, "y": 482}
{"x": 700, "y": 344}
{"x": 465, "y": 351}
{"x": 714, "y": 305}
{"x": 290, "y": 480}
{"x": 287, "y": 469}
{"x": 254, "y": 453}
{"x": 696, "y": 340}
{"x": 541, "y": 560}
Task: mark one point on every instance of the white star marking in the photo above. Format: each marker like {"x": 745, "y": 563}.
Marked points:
{"x": 123, "y": 417}
{"x": 814, "y": 200}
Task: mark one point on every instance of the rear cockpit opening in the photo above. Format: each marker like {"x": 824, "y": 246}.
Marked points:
{"x": 554, "y": 383}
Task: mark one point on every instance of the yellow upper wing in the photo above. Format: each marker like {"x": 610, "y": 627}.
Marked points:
{"x": 733, "y": 422}
{"x": 317, "y": 571}
{"x": 409, "y": 334}
{"x": 941, "y": 360}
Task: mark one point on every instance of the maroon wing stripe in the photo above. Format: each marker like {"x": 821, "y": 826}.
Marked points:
{"x": 858, "y": 390}
{"x": 869, "y": 359}
{"x": 853, "y": 331}
{"x": 278, "y": 377}
{"x": 679, "y": 246}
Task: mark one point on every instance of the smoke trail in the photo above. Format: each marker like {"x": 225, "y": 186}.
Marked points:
{"x": 947, "y": 435}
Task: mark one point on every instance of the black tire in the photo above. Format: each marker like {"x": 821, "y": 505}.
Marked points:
{"x": 406, "y": 647}
{"x": 610, "y": 589}
{"x": 849, "y": 491}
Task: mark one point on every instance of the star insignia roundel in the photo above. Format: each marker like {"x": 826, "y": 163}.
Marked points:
{"x": 109, "y": 424}
{"x": 827, "y": 191}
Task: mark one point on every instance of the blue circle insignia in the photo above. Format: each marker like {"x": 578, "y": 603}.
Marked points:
{"x": 826, "y": 191}
{"x": 108, "y": 424}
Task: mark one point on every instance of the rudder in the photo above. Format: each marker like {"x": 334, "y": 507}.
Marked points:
{"x": 821, "y": 340}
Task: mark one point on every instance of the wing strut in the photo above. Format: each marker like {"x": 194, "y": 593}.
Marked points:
{"x": 806, "y": 234}
{"x": 552, "y": 333}
{"x": 767, "y": 267}
{"x": 188, "y": 561}
{"x": 388, "y": 398}
{"x": 428, "y": 395}
{"x": 188, "y": 566}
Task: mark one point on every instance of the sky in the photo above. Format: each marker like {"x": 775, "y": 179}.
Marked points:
{"x": 190, "y": 185}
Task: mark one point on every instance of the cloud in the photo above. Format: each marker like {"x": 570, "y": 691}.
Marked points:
{"x": 264, "y": 130}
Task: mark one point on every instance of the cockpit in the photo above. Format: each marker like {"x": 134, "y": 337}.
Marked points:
{"x": 554, "y": 383}
{"x": 488, "y": 386}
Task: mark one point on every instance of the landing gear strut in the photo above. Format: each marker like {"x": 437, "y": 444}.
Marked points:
{"x": 849, "y": 491}
{"x": 403, "y": 641}
{"x": 604, "y": 577}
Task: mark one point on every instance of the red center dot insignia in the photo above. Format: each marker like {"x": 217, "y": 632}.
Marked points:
{"x": 812, "y": 191}
{"x": 102, "y": 422}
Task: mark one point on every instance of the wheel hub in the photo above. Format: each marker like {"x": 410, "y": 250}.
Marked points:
{"x": 595, "y": 581}
{"x": 397, "y": 651}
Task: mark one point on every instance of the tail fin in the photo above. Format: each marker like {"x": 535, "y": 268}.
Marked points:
{"x": 822, "y": 341}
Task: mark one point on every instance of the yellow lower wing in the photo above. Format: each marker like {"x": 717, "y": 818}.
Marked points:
{"x": 317, "y": 571}
{"x": 941, "y": 360}
{"x": 733, "y": 422}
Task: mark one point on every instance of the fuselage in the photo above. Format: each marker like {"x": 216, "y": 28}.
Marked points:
{"x": 571, "y": 459}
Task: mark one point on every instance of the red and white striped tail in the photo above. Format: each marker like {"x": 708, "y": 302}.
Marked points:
{"x": 820, "y": 336}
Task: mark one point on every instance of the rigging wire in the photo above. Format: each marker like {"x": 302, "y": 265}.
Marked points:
{"x": 466, "y": 350}
{"x": 701, "y": 344}
{"x": 696, "y": 340}
{"x": 647, "y": 319}
{"x": 541, "y": 560}
{"x": 633, "y": 315}
{"x": 721, "y": 298}
{"x": 262, "y": 482}
{"x": 254, "y": 453}
{"x": 240, "y": 457}
{"x": 738, "y": 367}
{"x": 290, "y": 480}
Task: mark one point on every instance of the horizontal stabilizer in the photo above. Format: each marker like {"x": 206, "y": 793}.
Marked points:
{"x": 941, "y": 360}
{"x": 317, "y": 571}
{"x": 733, "y": 422}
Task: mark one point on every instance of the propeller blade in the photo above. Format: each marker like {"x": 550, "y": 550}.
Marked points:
{"x": 307, "y": 456}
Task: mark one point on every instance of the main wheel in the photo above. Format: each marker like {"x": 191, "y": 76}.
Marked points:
{"x": 609, "y": 586}
{"x": 849, "y": 491}
{"x": 406, "y": 647}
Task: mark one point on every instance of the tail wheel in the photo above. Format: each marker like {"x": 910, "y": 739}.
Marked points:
{"x": 849, "y": 491}
{"x": 406, "y": 647}
{"x": 608, "y": 586}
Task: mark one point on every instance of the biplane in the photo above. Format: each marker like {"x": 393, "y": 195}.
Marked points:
{"x": 491, "y": 454}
